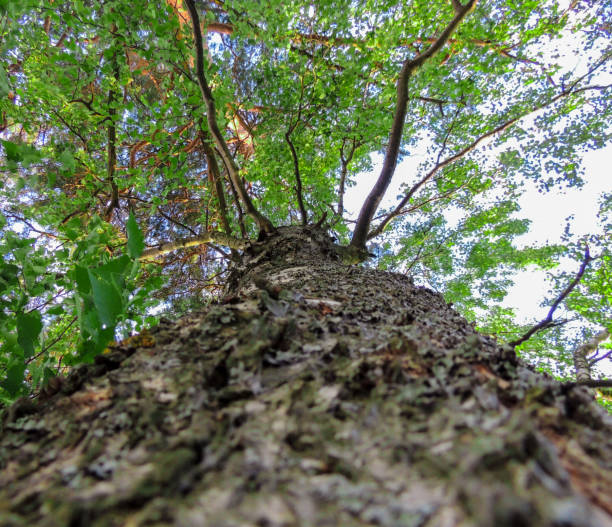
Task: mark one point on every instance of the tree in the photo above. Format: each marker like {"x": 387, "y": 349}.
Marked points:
{"x": 212, "y": 144}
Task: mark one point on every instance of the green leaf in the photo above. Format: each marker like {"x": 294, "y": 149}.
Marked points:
{"x": 107, "y": 299}
{"x": 29, "y": 326}
{"x": 9, "y": 275}
{"x": 13, "y": 382}
{"x": 4, "y": 83}
{"x": 19, "y": 153}
{"x": 68, "y": 162}
{"x": 114, "y": 270}
{"x": 56, "y": 310}
{"x": 135, "y": 243}
{"x": 82, "y": 280}
{"x": 12, "y": 151}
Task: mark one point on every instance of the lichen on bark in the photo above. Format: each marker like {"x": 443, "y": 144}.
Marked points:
{"x": 314, "y": 393}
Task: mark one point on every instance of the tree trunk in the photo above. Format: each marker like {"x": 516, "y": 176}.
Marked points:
{"x": 314, "y": 394}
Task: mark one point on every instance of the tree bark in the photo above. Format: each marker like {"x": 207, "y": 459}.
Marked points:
{"x": 315, "y": 393}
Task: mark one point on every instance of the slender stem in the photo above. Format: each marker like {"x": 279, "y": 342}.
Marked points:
{"x": 343, "y": 172}
{"x": 53, "y": 342}
{"x": 111, "y": 142}
{"x": 296, "y": 162}
{"x": 298, "y": 179}
{"x": 236, "y": 199}
{"x": 548, "y": 321}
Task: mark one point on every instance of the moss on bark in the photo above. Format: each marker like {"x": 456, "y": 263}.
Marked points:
{"x": 315, "y": 394}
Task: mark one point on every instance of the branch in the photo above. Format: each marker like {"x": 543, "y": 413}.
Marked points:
{"x": 215, "y": 177}
{"x": 236, "y": 199}
{"x": 339, "y": 42}
{"x": 344, "y": 171}
{"x": 424, "y": 202}
{"x": 160, "y": 212}
{"x": 395, "y": 137}
{"x": 111, "y": 147}
{"x": 213, "y": 236}
{"x": 71, "y": 128}
{"x": 296, "y": 164}
{"x": 594, "y": 383}
{"x": 30, "y": 226}
{"x": 597, "y": 358}
{"x": 548, "y": 322}
{"x": 580, "y": 355}
{"x": 262, "y": 222}
{"x": 298, "y": 179}
{"x": 52, "y": 343}
{"x": 176, "y": 222}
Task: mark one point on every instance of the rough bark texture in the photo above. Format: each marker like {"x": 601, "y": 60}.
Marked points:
{"x": 315, "y": 394}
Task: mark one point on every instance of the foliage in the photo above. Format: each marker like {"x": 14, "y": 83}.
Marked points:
{"x": 108, "y": 147}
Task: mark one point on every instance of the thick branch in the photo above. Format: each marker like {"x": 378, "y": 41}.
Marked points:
{"x": 395, "y": 137}
{"x": 581, "y": 353}
{"x": 339, "y": 42}
{"x": 213, "y": 236}
{"x": 262, "y": 222}
{"x": 548, "y": 321}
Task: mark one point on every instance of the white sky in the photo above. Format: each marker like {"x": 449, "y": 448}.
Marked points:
{"x": 547, "y": 213}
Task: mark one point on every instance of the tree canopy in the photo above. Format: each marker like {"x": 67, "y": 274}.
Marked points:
{"x": 146, "y": 143}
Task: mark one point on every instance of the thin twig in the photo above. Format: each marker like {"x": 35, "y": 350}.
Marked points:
{"x": 548, "y": 321}
{"x": 53, "y": 342}
{"x": 597, "y": 358}
{"x": 30, "y": 226}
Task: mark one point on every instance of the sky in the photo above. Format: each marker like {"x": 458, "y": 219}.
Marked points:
{"x": 547, "y": 213}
